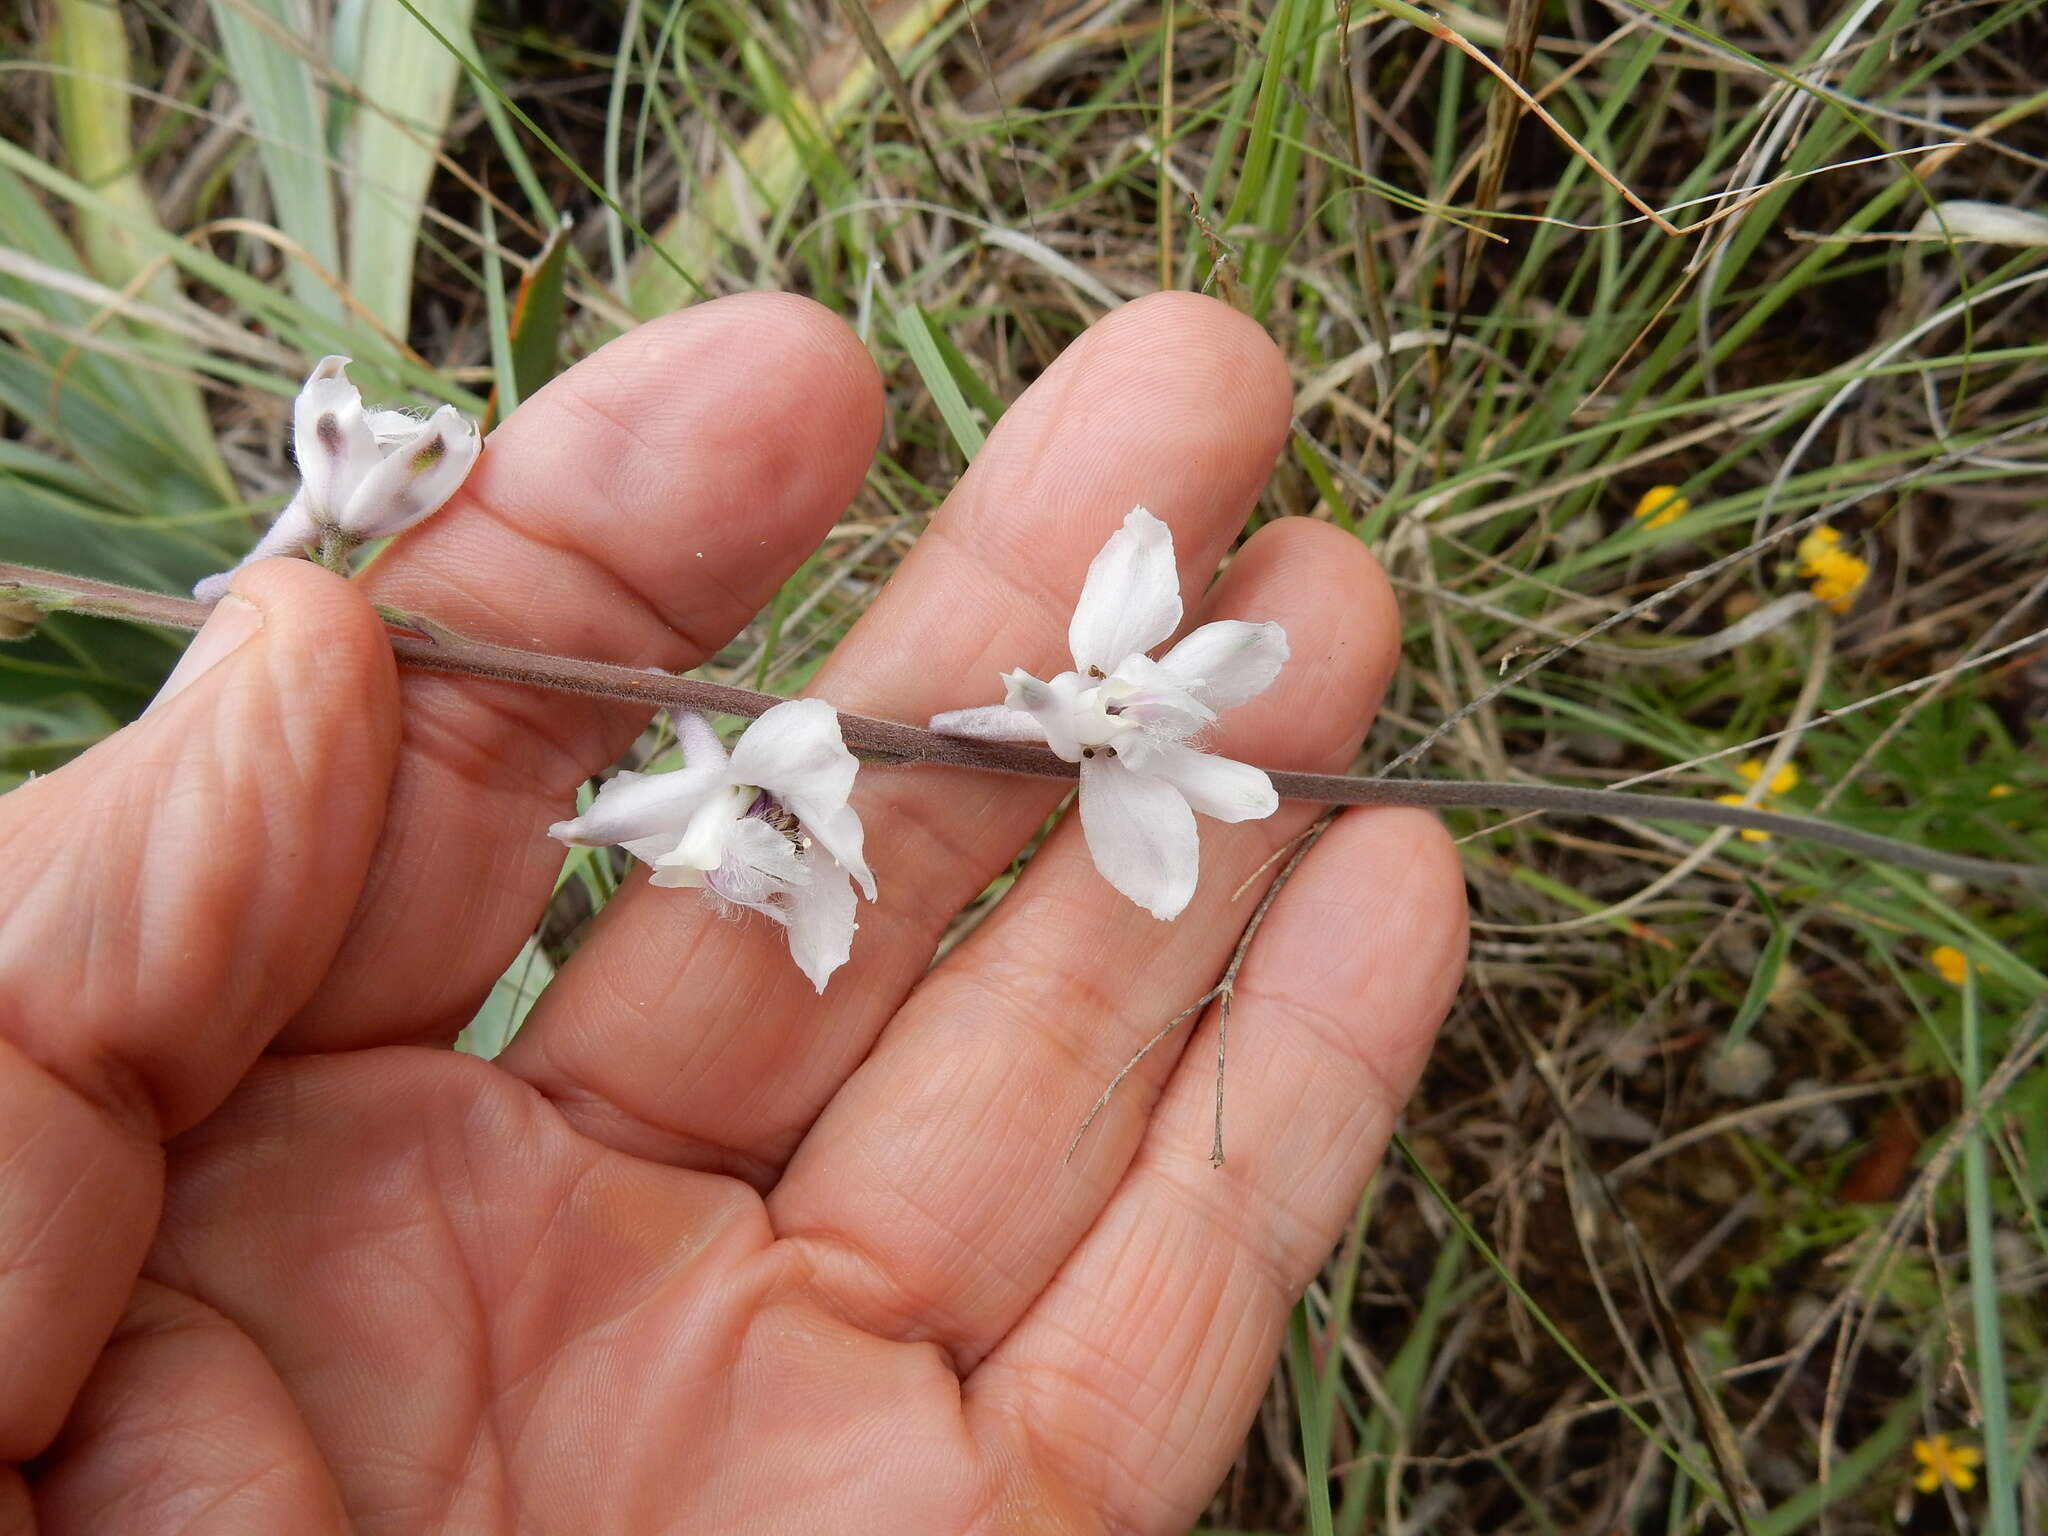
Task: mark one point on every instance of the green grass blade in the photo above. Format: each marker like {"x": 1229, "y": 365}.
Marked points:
{"x": 1851, "y": 1472}
{"x": 2001, "y": 1485}
{"x": 1314, "y": 1417}
{"x": 1261, "y": 137}
{"x": 770, "y": 167}
{"x": 264, "y": 41}
{"x": 1768, "y": 966}
{"x": 511, "y": 998}
{"x": 406, "y": 78}
{"x": 310, "y": 331}
{"x": 536, "y": 323}
{"x": 505, "y": 392}
{"x": 914, "y": 329}
{"x": 89, "y": 41}
{"x": 1557, "y": 1335}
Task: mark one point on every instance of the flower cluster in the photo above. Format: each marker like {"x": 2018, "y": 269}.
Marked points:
{"x": 1783, "y": 782}
{"x": 1128, "y": 719}
{"x": 1836, "y": 574}
{"x": 363, "y": 474}
{"x": 769, "y": 828}
{"x": 766, "y": 828}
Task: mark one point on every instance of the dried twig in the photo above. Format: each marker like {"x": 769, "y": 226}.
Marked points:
{"x": 1222, "y": 993}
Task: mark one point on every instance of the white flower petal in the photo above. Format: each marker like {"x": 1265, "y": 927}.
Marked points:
{"x": 635, "y": 806}
{"x": 760, "y": 868}
{"x": 1131, "y": 599}
{"x": 1225, "y": 663}
{"x": 392, "y": 427}
{"x": 714, "y": 830}
{"x": 652, "y": 850}
{"x": 291, "y": 534}
{"x": 796, "y": 753}
{"x": 415, "y": 479}
{"x": 1215, "y": 786}
{"x": 647, "y": 813}
{"x": 821, "y": 923}
{"x": 990, "y": 722}
{"x": 1145, "y": 691}
{"x": 1141, "y": 835}
{"x": 332, "y": 440}
{"x": 1051, "y": 705}
{"x": 839, "y": 834}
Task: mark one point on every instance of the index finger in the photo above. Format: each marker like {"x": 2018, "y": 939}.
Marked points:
{"x": 176, "y": 891}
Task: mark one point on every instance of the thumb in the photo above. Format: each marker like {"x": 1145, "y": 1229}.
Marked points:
{"x": 178, "y": 892}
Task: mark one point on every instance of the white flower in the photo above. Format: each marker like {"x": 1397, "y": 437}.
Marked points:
{"x": 767, "y": 828}
{"x": 362, "y": 474}
{"x": 1126, "y": 719}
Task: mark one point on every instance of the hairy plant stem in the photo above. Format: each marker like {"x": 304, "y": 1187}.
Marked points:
{"x": 334, "y": 549}
{"x": 420, "y": 642}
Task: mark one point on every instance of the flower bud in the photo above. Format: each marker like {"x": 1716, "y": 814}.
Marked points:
{"x": 331, "y": 439}
{"x": 18, "y": 620}
{"x": 363, "y": 474}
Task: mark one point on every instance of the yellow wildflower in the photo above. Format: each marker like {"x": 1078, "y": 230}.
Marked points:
{"x": 1661, "y": 504}
{"x": 1941, "y": 1462}
{"x": 1835, "y": 573}
{"x": 1837, "y": 580}
{"x": 1949, "y": 961}
{"x": 1821, "y": 541}
{"x": 1749, "y": 834}
{"x": 1783, "y": 782}
{"x": 1999, "y": 791}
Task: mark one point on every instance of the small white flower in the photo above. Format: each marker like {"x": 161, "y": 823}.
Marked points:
{"x": 767, "y": 828}
{"x": 1126, "y": 719}
{"x": 362, "y": 474}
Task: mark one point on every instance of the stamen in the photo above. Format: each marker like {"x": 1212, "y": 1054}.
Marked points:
{"x": 779, "y": 816}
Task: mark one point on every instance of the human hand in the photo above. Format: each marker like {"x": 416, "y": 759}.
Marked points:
{"x": 702, "y": 1251}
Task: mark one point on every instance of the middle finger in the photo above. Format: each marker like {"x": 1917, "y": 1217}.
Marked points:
{"x": 933, "y": 1199}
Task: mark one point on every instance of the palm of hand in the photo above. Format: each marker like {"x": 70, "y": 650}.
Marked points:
{"x": 702, "y": 1251}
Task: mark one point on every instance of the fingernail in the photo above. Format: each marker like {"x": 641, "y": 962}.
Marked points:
{"x": 234, "y": 620}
